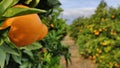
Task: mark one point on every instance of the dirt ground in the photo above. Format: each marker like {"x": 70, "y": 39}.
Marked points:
{"x": 77, "y": 60}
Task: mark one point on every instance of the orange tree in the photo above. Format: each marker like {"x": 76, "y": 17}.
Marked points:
{"x": 98, "y": 36}
{"x": 28, "y": 40}
{"x": 76, "y": 27}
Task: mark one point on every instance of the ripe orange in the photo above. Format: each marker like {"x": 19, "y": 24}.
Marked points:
{"x": 80, "y": 30}
{"x": 99, "y": 50}
{"x": 90, "y": 57}
{"x": 113, "y": 33}
{"x": 100, "y": 30}
{"x": 6, "y": 23}
{"x": 44, "y": 50}
{"x": 111, "y": 63}
{"x": 113, "y": 16}
{"x": 100, "y": 60}
{"x": 21, "y": 6}
{"x": 102, "y": 19}
{"x": 116, "y": 65}
{"x": 51, "y": 25}
{"x": 94, "y": 57}
{"x": 44, "y": 31}
{"x": 97, "y": 55}
{"x": 104, "y": 43}
{"x": 94, "y": 61}
{"x": 26, "y": 29}
{"x": 97, "y": 33}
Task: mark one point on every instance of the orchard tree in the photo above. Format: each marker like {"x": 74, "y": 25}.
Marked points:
{"x": 31, "y": 33}
{"x": 98, "y": 39}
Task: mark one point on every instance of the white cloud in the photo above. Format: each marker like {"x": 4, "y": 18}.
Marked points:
{"x": 79, "y": 12}
{"x": 71, "y": 14}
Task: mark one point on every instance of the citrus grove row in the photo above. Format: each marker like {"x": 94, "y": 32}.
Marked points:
{"x": 98, "y": 36}
{"x": 30, "y": 34}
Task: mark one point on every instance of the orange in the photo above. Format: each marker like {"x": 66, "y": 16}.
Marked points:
{"x": 44, "y": 50}
{"x": 111, "y": 63}
{"x": 104, "y": 44}
{"x": 100, "y": 61}
{"x": 90, "y": 57}
{"x": 51, "y": 25}
{"x": 6, "y": 23}
{"x": 100, "y": 30}
{"x": 94, "y": 57}
{"x": 102, "y": 19}
{"x": 113, "y": 33}
{"x": 44, "y": 32}
{"x": 26, "y": 29}
{"x": 21, "y": 6}
{"x": 80, "y": 30}
{"x": 116, "y": 65}
{"x": 97, "y": 33}
{"x": 94, "y": 61}
{"x": 113, "y": 16}
{"x": 100, "y": 51}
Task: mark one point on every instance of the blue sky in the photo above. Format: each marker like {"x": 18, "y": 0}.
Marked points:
{"x": 77, "y": 8}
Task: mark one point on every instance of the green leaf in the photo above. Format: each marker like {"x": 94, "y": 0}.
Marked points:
{"x": 29, "y": 53}
{"x": 33, "y": 46}
{"x": 9, "y": 50}
{"x": 24, "y": 65}
{"x": 8, "y": 42}
{"x": 34, "y": 3}
{"x": 55, "y": 3}
{"x": 1, "y": 42}
{"x": 14, "y": 2}
{"x": 2, "y": 58}
{"x": 4, "y": 4}
{"x": 17, "y": 58}
{"x": 21, "y": 11}
{"x": 107, "y": 49}
{"x": 39, "y": 66}
{"x": 47, "y": 57}
{"x": 28, "y": 1}
{"x": 30, "y": 65}
{"x": 7, "y": 58}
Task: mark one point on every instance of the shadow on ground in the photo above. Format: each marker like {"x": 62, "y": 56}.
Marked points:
{"x": 77, "y": 60}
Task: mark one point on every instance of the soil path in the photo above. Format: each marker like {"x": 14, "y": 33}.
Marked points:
{"x": 77, "y": 61}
